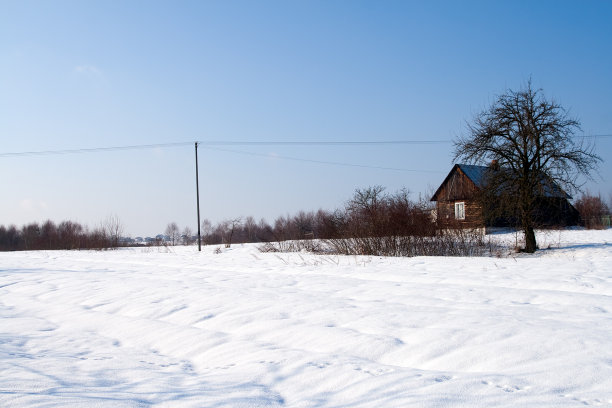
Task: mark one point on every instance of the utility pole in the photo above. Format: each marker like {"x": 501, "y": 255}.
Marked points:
{"x": 198, "y": 199}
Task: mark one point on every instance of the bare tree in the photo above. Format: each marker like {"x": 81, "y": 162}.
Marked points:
{"x": 172, "y": 231}
{"x": 264, "y": 231}
{"x": 532, "y": 140}
{"x": 48, "y": 234}
{"x": 303, "y": 225}
{"x": 366, "y": 206}
{"x": 113, "y": 229}
{"x": 187, "y": 236}
{"x": 29, "y": 234}
{"x": 250, "y": 227}
{"x": 10, "y": 239}
{"x": 231, "y": 226}
{"x": 70, "y": 234}
{"x": 207, "y": 230}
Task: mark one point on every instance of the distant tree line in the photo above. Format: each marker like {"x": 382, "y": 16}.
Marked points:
{"x": 65, "y": 235}
{"x": 372, "y": 222}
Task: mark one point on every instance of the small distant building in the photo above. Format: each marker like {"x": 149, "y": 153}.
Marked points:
{"x": 162, "y": 238}
{"x": 457, "y": 202}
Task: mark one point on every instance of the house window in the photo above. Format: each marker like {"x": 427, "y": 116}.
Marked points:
{"x": 460, "y": 211}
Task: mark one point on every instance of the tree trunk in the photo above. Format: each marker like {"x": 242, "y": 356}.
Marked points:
{"x": 526, "y": 205}
{"x": 530, "y": 240}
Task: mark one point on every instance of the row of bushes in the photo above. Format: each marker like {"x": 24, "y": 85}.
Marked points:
{"x": 370, "y": 213}
{"x": 372, "y": 222}
{"x": 594, "y": 212}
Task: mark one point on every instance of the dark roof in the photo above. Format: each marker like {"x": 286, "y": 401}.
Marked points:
{"x": 477, "y": 175}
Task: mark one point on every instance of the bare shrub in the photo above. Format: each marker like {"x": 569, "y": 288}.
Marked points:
{"x": 229, "y": 228}
{"x": 305, "y": 245}
{"x": 446, "y": 243}
{"x": 378, "y": 224}
{"x": 593, "y": 211}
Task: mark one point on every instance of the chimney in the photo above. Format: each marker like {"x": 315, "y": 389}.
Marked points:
{"x": 494, "y": 165}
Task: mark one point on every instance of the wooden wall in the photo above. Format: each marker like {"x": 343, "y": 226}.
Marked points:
{"x": 473, "y": 214}
{"x": 458, "y": 188}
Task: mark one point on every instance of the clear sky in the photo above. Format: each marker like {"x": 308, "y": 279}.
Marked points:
{"x": 87, "y": 74}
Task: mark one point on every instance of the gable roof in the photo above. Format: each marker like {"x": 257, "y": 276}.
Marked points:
{"x": 477, "y": 175}
{"x": 472, "y": 172}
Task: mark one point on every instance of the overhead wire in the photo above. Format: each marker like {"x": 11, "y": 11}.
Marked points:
{"x": 333, "y": 163}
{"x": 93, "y": 149}
{"x": 247, "y": 143}
{"x": 216, "y": 144}
{"x": 221, "y": 143}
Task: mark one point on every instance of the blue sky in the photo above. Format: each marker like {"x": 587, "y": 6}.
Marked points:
{"x": 83, "y": 74}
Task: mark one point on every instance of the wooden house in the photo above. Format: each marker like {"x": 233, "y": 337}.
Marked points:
{"x": 457, "y": 203}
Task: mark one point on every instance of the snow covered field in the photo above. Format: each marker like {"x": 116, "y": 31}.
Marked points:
{"x": 144, "y": 327}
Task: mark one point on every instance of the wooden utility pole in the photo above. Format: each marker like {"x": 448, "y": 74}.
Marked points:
{"x": 198, "y": 199}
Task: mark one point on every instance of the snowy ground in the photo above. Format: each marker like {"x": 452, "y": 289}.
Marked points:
{"x": 140, "y": 327}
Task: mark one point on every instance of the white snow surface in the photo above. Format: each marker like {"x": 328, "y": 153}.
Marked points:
{"x": 177, "y": 328}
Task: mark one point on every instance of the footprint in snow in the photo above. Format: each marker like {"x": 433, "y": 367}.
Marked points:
{"x": 506, "y": 387}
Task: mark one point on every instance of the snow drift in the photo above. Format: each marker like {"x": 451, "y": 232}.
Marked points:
{"x": 178, "y": 328}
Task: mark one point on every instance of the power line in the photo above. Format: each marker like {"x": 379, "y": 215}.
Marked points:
{"x": 221, "y": 143}
{"x": 93, "y": 149}
{"x": 212, "y": 143}
{"x": 365, "y": 166}
{"x": 592, "y": 136}
{"x": 323, "y": 143}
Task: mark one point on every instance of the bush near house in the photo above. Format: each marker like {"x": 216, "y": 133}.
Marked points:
{"x": 594, "y": 213}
